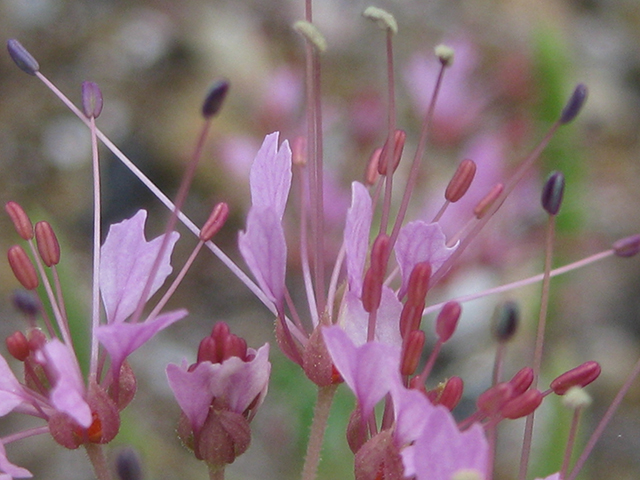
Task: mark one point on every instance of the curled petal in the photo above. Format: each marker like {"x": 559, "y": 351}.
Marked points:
{"x": 191, "y": 391}
{"x": 126, "y": 263}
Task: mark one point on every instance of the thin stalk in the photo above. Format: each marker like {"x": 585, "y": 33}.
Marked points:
{"x": 391, "y": 120}
{"x": 95, "y": 286}
{"x": 571, "y": 441}
{"x": 318, "y": 427}
{"x": 98, "y": 461}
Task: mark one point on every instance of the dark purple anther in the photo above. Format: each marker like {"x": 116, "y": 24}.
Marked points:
{"x": 23, "y": 59}
{"x": 552, "y": 193}
{"x": 215, "y": 97}
{"x": 506, "y": 321}
{"x": 91, "y": 99}
{"x": 574, "y": 105}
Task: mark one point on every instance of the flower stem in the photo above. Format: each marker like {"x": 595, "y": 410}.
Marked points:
{"x": 216, "y": 472}
{"x": 98, "y": 460}
{"x": 320, "y": 417}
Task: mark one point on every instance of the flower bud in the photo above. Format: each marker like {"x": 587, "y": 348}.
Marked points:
{"x": 215, "y": 222}
{"x": 489, "y": 199}
{"x": 580, "y": 376}
{"x": 505, "y": 321}
{"x": 379, "y": 458}
{"x": 575, "y": 103}
{"x": 48, "y": 245}
{"x": 224, "y": 436}
{"x": 91, "y": 99}
{"x": 214, "y": 99}
{"x": 316, "y": 361}
{"x": 20, "y": 220}
{"x": 447, "y": 320}
{"x": 22, "y": 267}
{"x": 552, "y": 193}
{"x": 628, "y": 246}
{"x": 522, "y": 405}
{"x": 22, "y": 57}
{"x": 461, "y": 181}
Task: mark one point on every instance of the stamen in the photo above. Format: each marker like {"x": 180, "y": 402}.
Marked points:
{"x": 215, "y": 222}
{"x": 553, "y": 192}
{"x": 522, "y": 405}
{"x": 447, "y": 320}
{"x": 47, "y": 243}
{"x": 311, "y": 33}
{"x": 580, "y": 376}
{"x": 22, "y": 267}
{"x": 384, "y": 19}
{"x": 522, "y": 380}
{"x": 20, "y": 219}
{"x": 17, "y": 346}
{"x": 461, "y": 181}
{"x": 492, "y": 400}
{"x": 575, "y": 104}
{"x": 627, "y": 247}
{"x": 411, "y": 352}
{"x": 214, "y": 99}
{"x": 22, "y": 57}
{"x": 91, "y": 99}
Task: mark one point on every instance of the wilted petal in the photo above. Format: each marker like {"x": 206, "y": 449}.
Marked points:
{"x": 354, "y": 319}
{"x": 67, "y": 394}
{"x": 10, "y": 389}
{"x": 356, "y": 235}
{"x": 264, "y": 249}
{"x": 122, "y": 339}
{"x": 419, "y": 242}
{"x": 368, "y": 370}
{"x": 270, "y": 177}
{"x": 8, "y": 470}
{"x": 191, "y": 390}
{"x": 126, "y": 263}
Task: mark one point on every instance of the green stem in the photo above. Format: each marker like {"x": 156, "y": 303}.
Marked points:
{"x": 320, "y": 418}
{"x": 216, "y": 472}
{"x": 98, "y": 460}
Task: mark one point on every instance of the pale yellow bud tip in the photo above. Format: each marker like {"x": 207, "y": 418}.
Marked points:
{"x": 445, "y": 54}
{"x": 575, "y": 398}
{"x": 467, "y": 474}
{"x": 384, "y": 19}
{"x": 309, "y": 31}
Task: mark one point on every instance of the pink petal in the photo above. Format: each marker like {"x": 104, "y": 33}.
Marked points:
{"x": 356, "y": 235}
{"x": 270, "y": 176}
{"x": 67, "y": 395}
{"x": 191, "y": 390}
{"x": 418, "y": 242}
{"x": 8, "y": 469}
{"x": 412, "y": 410}
{"x": 122, "y": 339}
{"x": 264, "y": 249}
{"x": 368, "y": 370}
{"x": 10, "y": 389}
{"x": 555, "y": 476}
{"x": 126, "y": 263}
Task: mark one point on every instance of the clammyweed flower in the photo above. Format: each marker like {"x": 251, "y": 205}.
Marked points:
{"x": 366, "y": 305}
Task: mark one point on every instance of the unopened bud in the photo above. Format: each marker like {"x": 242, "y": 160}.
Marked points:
{"x": 493, "y": 399}
{"x": 22, "y": 267}
{"x": 22, "y": 57}
{"x": 48, "y": 245}
{"x": 489, "y": 199}
{"x": 392, "y": 159}
{"x": 128, "y": 465}
{"x": 505, "y": 321}
{"x": 552, "y": 193}
{"x": 20, "y": 220}
{"x": 447, "y": 320}
{"x": 418, "y": 283}
{"x": 215, "y": 222}
{"x": 214, "y": 99}
{"x": 445, "y": 54}
{"x": 299, "y": 151}
{"x": 522, "y": 405}
{"x": 411, "y": 352}
{"x": 575, "y": 103}
{"x": 461, "y": 180}
{"x": 522, "y": 380}
{"x": 384, "y": 19}
{"x": 372, "y": 174}
{"x": 311, "y": 33}
{"x": 576, "y": 397}
{"x": 628, "y": 246}
{"x": 581, "y": 376}
{"x": 91, "y": 99}
{"x": 18, "y": 346}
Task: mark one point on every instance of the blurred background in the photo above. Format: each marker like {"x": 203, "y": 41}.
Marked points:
{"x": 516, "y": 64}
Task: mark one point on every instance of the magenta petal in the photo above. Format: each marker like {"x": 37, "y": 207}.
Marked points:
{"x": 8, "y": 470}
{"x": 126, "y": 263}
{"x": 67, "y": 394}
{"x": 356, "y": 235}
{"x": 264, "y": 249}
{"x": 412, "y": 411}
{"x": 192, "y": 391}
{"x": 369, "y": 370}
{"x": 270, "y": 177}
{"x": 10, "y": 389}
{"x": 122, "y": 339}
{"x": 442, "y": 450}
{"x": 418, "y": 242}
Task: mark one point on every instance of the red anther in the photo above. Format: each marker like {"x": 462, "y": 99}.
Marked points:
{"x": 410, "y": 318}
{"x": 380, "y": 256}
{"x": 215, "y": 222}
{"x": 494, "y": 399}
{"x": 371, "y": 291}
{"x": 522, "y": 380}
{"x": 48, "y": 245}
{"x": 411, "y": 352}
{"x": 418, "y": 283}
{"x": 371, "y": 175}
{"x": 399, "y": 139}
{"x": 207, "y": 351}
{"x": 91, "y": 99}
{"x": 581, "y": 376}
{"x": 36, "y": 339}
{"x": 628, "y": 246}
{"x": 461, "y": 180}
{"x": 18, "y": 346}
{"x": 484, "y": 205}
{"x": 22, "y": 267}
{"x": 522, "y": 405}
{"x": 20, "y": 220}
{"x": 447, "y": 320}
{"x": 451, "y": 394}
{"x": 299, "y": 151}
{"x": 234, "y": 346}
